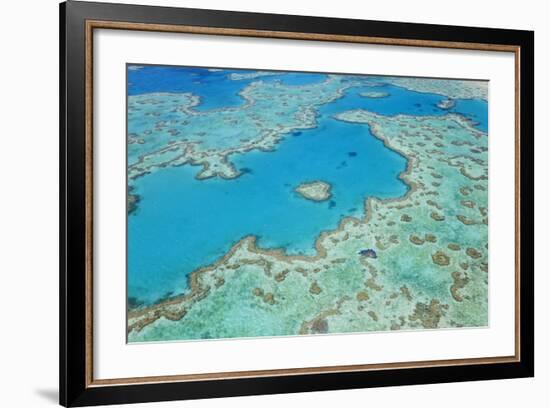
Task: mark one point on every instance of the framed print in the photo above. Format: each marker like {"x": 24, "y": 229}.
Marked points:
{"x": 256, "y": 203}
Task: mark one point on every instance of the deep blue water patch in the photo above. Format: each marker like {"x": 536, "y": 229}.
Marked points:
{"x": 398, "y": 101}
{"x": 474, "y": 109}
{"x": 213, "y": 86}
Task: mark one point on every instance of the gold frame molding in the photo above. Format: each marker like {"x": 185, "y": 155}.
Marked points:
{"x": 116, "y": 25}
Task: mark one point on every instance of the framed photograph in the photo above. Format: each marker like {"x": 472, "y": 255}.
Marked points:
{"x": 256, "y": 203}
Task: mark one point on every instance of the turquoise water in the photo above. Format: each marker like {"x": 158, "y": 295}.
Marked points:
{"x": 183, "y": 223}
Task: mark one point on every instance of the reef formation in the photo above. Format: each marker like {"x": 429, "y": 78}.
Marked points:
{"x": 419, "y": 261}
{"x": 314, "y": 191}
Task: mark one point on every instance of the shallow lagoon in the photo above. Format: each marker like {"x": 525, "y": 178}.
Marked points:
{"x": 197, "y": 221}
{"x": 183, "y": 223}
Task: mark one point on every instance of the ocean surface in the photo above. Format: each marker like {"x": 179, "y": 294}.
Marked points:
{"x": 183, "y": 223}
{"x": 213, "y": 86}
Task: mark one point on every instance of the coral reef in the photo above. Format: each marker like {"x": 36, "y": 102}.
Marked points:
{"x": 417, "y": 280}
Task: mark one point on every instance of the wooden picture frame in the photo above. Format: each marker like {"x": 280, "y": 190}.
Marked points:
{"x": 78, "y": 20}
